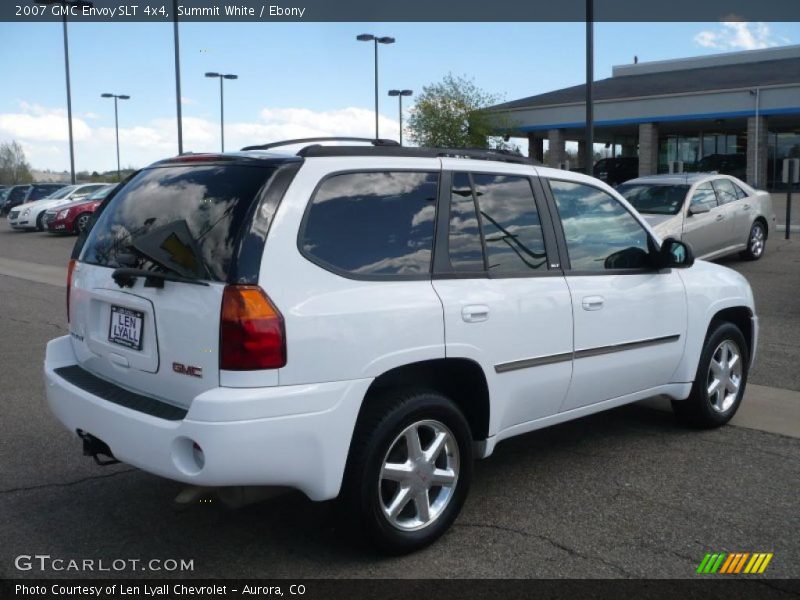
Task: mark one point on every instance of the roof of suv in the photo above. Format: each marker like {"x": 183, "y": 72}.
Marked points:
{"x": 313, "y": 148}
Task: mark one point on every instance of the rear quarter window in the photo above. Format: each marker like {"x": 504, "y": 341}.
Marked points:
{"x": 373, "y": 224}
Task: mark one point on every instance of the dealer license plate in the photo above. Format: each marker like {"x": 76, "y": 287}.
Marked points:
{"x": 125, "y": 328}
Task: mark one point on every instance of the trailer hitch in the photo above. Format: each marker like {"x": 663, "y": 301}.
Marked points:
{"x": 96, "y": 448}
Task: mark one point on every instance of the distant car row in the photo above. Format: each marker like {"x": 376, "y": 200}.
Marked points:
{"x": 67, "y": 208}
{"x": 624, "y": 168}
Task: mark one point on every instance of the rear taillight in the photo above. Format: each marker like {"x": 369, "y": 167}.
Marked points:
{"x": 70, "y": 269}
{"x": 251, "y": 331}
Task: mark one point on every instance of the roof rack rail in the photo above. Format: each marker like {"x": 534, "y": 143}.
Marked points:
{"x": 312, "y": 140}
{"x": 472, "y": 153}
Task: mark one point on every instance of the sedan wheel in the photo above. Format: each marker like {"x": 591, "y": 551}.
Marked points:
{"x": 756, "y": 242}
{"x": 81, "y": 223}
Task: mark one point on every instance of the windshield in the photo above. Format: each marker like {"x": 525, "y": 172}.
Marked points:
{"x": 210, "y": 201}
{"x": 654, "y": 199}
{"x": 62, "y": 193}
{"x": 99, "y": 194}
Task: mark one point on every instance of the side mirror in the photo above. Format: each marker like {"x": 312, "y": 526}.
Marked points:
{"x": 675, "y": 254}
{"x": 698, "y": 209}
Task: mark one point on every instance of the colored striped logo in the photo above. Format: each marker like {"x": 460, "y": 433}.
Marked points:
{"x": 734, "y": 563}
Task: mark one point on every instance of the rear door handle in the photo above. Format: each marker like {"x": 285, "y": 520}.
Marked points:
{"x": 720, "y": 217}
{"x": 593, "y": 302}
{"x": 475, "y": 313}
{"x": 746, "y": 207}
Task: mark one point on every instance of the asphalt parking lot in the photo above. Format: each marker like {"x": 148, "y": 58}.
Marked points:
{"x": 626, "y": 493}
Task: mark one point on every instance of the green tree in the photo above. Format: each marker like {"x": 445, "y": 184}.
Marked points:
{"x": 14, "y": 167}
{"x": 450, "y": 114}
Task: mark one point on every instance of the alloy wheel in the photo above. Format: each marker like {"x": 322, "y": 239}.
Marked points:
{"x": 757, "y": 240}
{"x": 82, "y": 222}
{"x": 418, "y": 475}
{"x": 724, "y": 376}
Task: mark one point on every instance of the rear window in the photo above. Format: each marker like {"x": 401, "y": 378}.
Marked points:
{"x": 377, "y": 224}
{"x": 17, "y": 193}
{"x": 654, "y": 199}
{"x": 62, "y": 192}
{"x": 212, "y": 200}
{"x": 41, "y": 191}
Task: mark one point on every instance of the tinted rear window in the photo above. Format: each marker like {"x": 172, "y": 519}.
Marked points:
{"x": 213, "y": 200}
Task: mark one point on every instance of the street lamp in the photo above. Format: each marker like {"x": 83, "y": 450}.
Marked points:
{"x": 77, "y": 4}
{"x": 221, "y": 77}
{"x": 368, "y": 37}
{"x": 400, "y": 94}
{"x": 178, "y": 100}
{"x": 116, "y": 124}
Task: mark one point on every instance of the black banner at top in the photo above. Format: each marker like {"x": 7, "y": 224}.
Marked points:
{"x": 403, "y": 11}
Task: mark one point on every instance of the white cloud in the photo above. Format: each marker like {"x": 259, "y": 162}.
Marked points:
{"x": 37, "y": 123}
{"x": 738, "y": 35}
{"x": 187, "y": 101}
{"x": 43, "y": 133}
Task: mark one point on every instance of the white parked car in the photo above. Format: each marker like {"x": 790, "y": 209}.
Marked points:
{"x": 363, "y": 322}
{"x": 30, "y": 216}
{"x": 717, "y": 214}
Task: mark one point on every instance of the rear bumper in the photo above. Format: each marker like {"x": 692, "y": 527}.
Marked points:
{"x": 293, "y": 436}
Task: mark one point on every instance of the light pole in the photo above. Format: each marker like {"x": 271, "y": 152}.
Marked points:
{"x": 368, "y": 37}
{"x": 400, "y": 94}
{"x": 116, "y": 124}
{"x": 221, "y": 77}
{"x": 177, "y": 74}
{"x": 589, "y": 166}
{"x": 67, "y": 4}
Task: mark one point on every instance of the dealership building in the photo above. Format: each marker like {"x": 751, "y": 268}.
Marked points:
{"x": 737, "y": 112}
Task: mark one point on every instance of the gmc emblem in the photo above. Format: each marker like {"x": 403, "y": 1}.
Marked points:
{"x": 187, "y": 370}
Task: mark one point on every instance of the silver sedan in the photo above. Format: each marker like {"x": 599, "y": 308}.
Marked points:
{"x": 716, "y": 214}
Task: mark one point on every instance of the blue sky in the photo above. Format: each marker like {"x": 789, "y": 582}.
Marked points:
{"x": 296, "y": 78}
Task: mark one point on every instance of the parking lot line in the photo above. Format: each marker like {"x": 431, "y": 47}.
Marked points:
{"x": 36, "y": 272}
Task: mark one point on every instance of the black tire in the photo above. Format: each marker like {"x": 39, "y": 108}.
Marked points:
{"x": 703, "y": 410}
{"x": 40, "y": 222}
{"x": 756, "y": 242}
{"x": 364, "y": 493}
{"x": 81, "y": 223}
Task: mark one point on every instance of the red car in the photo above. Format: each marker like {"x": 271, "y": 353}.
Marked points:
{"x": 75, "y": 216}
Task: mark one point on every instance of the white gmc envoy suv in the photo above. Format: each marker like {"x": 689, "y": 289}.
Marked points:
{"x": 365, "y": 320}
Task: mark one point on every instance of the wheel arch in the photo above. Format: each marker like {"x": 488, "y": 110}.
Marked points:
{"x": 460, "y": 379}
{"x": 742, "y": 317}
{"x": 763, "y": 220}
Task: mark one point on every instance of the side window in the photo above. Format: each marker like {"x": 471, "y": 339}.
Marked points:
{"x": 725, "y": 190}
{"x": 466, "y": 251}
{"x": 600, "y": 232}
{"x": 373, "y": 223}
{"x": 740, "y": 193}
{"x": 512, "y": 231}
{"x": 704, "y": 196}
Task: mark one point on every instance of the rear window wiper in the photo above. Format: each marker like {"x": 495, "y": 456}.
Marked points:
{"x": 126, "y": 276}
{"x": 171, "y": 248}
